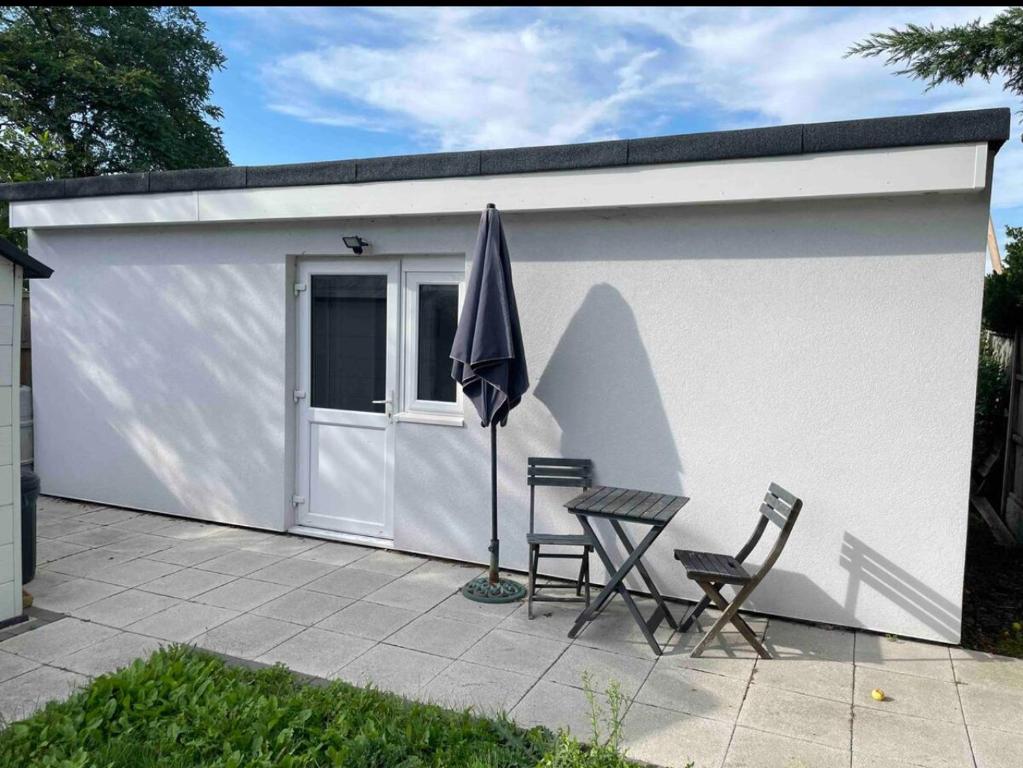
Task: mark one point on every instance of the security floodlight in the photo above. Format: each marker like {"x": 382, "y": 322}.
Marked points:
{"x": 356, "y": 243}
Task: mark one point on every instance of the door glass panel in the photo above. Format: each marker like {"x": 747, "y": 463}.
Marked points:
{"x": 349, "y": 342}
{"x": 438, "y": 318}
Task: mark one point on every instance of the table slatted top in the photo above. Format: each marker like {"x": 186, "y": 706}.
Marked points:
{"x": 627, "y": 504}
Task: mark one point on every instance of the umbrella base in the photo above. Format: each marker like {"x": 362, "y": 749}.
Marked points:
{"x": 480, "y": 590}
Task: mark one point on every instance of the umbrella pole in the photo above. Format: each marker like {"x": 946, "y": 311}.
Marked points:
{"x": 492, "y": 588}
{"x": 495, "y": 545}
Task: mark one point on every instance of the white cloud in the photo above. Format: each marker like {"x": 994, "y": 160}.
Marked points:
{"x": 454, "y": 78}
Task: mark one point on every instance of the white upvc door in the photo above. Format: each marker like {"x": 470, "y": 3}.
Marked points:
{"x": 346, "y": 385}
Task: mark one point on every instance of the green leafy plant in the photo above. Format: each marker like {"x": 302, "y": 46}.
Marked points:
{"x": 186, "y": 709}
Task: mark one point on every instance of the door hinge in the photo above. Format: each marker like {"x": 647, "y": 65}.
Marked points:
{"x": 299, "y": 287}
{"x": 296, "y": 500}
{"x": 298, "y": 394}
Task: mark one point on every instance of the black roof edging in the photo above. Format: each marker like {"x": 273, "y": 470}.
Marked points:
{"x": 990, "y": 125}
{"x": 31, "y": 268}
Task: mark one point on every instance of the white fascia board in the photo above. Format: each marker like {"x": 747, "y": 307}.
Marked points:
{"x": 884, "y": 172}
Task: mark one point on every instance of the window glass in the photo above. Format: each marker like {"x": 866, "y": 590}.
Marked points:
{"x": 438, "y": 318}
{"x": 349, "y": 342}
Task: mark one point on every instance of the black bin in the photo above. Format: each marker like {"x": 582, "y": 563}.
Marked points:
{"x": 29, "y": 495}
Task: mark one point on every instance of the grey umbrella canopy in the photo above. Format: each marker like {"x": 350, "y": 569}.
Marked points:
{"x": 490, "y": 366}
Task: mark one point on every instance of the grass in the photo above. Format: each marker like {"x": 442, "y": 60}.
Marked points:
{"x": 183, "y": 708}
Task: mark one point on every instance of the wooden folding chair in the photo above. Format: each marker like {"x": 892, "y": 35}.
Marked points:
{"x": 571, "y": 473}
{"x": 711, "y": 571}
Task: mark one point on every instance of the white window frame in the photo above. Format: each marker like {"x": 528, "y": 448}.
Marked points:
{"x": 416, "y": 273}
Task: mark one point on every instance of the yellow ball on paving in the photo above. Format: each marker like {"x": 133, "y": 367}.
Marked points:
{"x": 877, "y": 694}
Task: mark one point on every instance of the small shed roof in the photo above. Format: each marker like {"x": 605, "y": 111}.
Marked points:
{"x": 980, "y": 125}
{"x": 33, "y": 268}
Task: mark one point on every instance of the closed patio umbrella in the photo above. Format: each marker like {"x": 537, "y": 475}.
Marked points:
{"x": 490, "y": 366}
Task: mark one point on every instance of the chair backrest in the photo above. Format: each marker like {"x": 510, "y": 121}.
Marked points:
{"x": 570, "y": 473}
{"x": 781, "y": 508}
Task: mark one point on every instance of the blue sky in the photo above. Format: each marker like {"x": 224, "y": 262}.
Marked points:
{"x": 330, "y": 83}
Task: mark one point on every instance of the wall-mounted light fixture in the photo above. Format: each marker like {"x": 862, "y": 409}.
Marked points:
{"x": 356, "y": 243}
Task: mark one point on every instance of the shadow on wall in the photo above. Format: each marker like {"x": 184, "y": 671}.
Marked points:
{"x": 601, "y": 390}
{"x": 867, "y": 567}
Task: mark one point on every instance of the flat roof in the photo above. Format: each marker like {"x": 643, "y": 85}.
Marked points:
{"x": 973, "y": 126}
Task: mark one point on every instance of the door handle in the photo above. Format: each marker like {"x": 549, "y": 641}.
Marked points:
{"x": 388, "y": 404}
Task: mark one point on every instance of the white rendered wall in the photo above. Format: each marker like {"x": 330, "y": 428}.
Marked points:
{"x": 829, "y": 346}
{"x": 10, "y": 464}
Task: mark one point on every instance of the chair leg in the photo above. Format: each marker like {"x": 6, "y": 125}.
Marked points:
{"x": 582, "y": 573}
{"x": 534, "y": 558}
{"x": 729, "y": 615}
{"x": 586, "y": 578}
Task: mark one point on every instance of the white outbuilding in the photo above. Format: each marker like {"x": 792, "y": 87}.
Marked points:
{"x": 702, "y": 314}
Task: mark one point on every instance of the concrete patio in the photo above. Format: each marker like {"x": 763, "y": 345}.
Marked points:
{"x": 129, "y": 582}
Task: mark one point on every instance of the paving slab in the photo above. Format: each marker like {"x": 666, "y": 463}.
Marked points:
{"x": 751, "y": 748}
{"x": 88, "y": 562}
{"x": 96, "y": 537}
{"x": 281, "y": 545}
{"x": 824, "y": 679}
{"x": 796, "y": 715}
{"x": 418, "y": 590}
{"x": 303, "y": 606}
{"x": 485, "y": 690}
{"x": 515, "y": 652}
{"x": 145, "y": 523}
{"x": 135, "y": 572}
{"x": 22, "y": 696}
{"x": 908, "y": 657}
{"x": 317, "y": 652}
{"x": 488, "y": 615}
{"x": 72, "y": 594}
{"x": 728, "y": 655}
{"x": 51, "y": 550}
{"x": 397, "y": 670}
{"x": 551, "y": 620}
{"x": 557, "y": 706}
{"x": 183, "y": 622}
{"x": 693, "y": 692}
{"x": 12, "y": 665}
{"x": 185, "y": 529}
{"x": 909, "y": 695}
{"x": 60, "y": 528}
{"x": 394, "y": 563}
{"x": 990, "y": 707}
{"x": 978, "y": 668}
{"x": 793, "y": 640}
{"x": 57, "y": 639}
{"x": 239, "y": 562}
{"x": 996, "y": 749}
{"x": 109, "y": 655}
{"x": 187, "y": 583}
{"x": 293, "y": 572}
{"x": 890, "y": 737}
{"x": 335, "y": 553}
{"x": 193, "y": 552}
{"x": 370, "y": 620}
{"x": 674, "y": 739}
{"x": 108, "y": 515}
{"x": 437, "y": 635}
{"x": 141, "y": 544}
{"x": 248, "y": 636}
{"x": 124, "y": 608}
{"x": 349, "y": 581}
{"x": 580, "y": 663}
{"x": 242, "y": 594}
